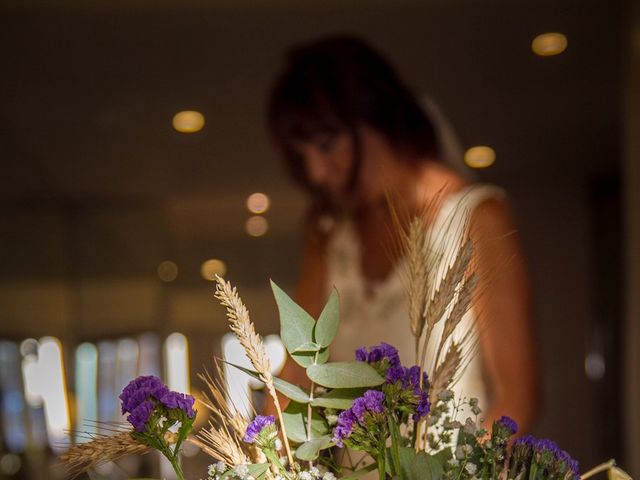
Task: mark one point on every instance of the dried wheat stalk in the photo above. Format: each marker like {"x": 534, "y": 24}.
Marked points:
{"x": 102, "y": 449}
{"x": 243, "y": 327}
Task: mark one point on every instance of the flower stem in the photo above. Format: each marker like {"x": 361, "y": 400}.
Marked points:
{"x": 382, "y": 475}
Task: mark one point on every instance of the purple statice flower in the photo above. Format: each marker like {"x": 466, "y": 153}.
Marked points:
{"x": 509, "y": 424}
{"x": 144, "y": 393}
{"x": 423, "y": 407}
{"x": 409, "y": 378}
{"x": 564, "y": 459}
{"x": 546, "y": 452}
{"x": 526, "y": 441}
{"x": 179, "y": 401}
{"x": 140, "y": 415}
{"x": 395, "y": 374}
{"x": 346, "y": 422}
{"x": 378, "y": 353}
{"x": 372, "y": 401}
{"x": 256, "y": 426}
{"x": 139, "y": 390}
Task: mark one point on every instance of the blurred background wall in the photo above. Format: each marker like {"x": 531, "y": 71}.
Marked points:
{"x": 108, "y": 214}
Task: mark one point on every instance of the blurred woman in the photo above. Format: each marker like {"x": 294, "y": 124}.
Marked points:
{"x": 352, "y": 134}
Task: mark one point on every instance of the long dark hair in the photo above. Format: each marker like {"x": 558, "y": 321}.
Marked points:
{"x": 338, "y": 84}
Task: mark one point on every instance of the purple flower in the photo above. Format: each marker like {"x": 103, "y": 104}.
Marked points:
{"x": 509, "y": 424}
{"x": 423, "y": 407}
{"x": 361, "y": 354}
{"x": 395, "y": 374}
{"x": 256, "y": 426}
{"x": 346, "y": 421}
{"x": 547, "y": 452}
{"x": 140, "y": 415}
{"x": 139, "y": 390}
{"x": 179, "y": 401}
{"x": 372, "y": 401}
{"x": 378, "y": 353}
{"x": 526, "y": 441}
{"x": 144, "y": 393}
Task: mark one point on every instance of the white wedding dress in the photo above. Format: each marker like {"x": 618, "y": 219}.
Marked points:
{"x": 378, "y": 312}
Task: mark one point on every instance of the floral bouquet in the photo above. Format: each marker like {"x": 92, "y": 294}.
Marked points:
{"x": 401, "y": 421}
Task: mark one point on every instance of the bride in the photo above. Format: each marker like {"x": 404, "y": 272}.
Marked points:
{"x": 352, "y": 134}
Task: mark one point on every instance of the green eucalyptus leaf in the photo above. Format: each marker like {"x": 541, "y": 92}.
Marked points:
{"x": 405, "y": 459}
{"x": 306, "y": 359}
{"x": 344, "y": 375}
{"x": 360, "y": 472}
{"x": 295, "y": 420}
{"x": 327, "y": 325}
{"x": 296, "y": 325}
{"x": 310, "y": 449}
{"x": 289, "y": 390}
{"x": 308, "y": 347}
{"x": 338, "y": 398}
{"x": 425, "y": 467}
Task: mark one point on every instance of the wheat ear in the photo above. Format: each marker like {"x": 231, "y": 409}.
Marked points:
{"x": 100, "y": 450}
{"x": 243, "y": 327}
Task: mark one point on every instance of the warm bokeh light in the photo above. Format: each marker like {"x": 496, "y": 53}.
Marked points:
{"x": 176, "y": 357}
{"x": 256, "y": 226}
{"x": 188, "y": 121}
{"x": 258, "y": 203}
{"x": 167, "y": 271}
{"x": 480, "y": 156}
{"x": 548, "y": 44}
{"x": 210, "y": 268}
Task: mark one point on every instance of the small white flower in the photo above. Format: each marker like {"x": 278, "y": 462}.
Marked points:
{"x": 460, "y": 453}
{"x": 241, "y": 470}
{"x": 221, "y": 467}
{"x": 304, "y": 475}
{"x": 211, "y": 471}
{"x": 453, "y": 462}
{"x": 249, "y": 477}
{"x": 445, "y": 395}
{"x": 314, "y": 471}
{"x": 452, "y": 424}
{"x": 467, "y": 449}
{"x": 284, "y": 460}
{"x": 470, "y": 426}
{"x": 328, "y": 476}
{"x": 471, "y": 468}
{"x": 278, "y": 444}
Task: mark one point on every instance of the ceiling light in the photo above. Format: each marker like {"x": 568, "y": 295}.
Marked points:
{"x": 188, "y": 121}
{"x": 258, "y": 203}
{"x": 548, "y": 44}
{"x": 480, "y": 156}
{"x": 210, "y": 268}
{"x": 167, "y": 271}
{"x": 256, "y": 226}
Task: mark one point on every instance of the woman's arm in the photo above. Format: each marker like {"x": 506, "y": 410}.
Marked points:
{"x": 309, "y": 295}
{"x": 504, "y": 307}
